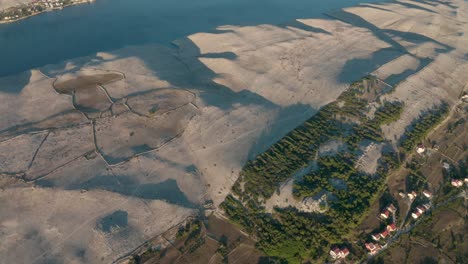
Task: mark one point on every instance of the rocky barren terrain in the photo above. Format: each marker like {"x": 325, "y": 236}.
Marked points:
{"x": 101, "y": 153}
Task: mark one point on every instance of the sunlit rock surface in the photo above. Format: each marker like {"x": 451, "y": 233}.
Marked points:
{"x": 101, "y": 153}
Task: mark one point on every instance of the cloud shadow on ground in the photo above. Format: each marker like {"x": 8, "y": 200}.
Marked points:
{"x": 356, "y": 68}
{"x": 382, "y": 56}
{"x": 394, "y": 79}
{"x": 15, "y": 84}
{"x": 167, "y": 190}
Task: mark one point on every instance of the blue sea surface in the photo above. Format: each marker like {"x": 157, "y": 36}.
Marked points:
{"x": 85, "y": 29}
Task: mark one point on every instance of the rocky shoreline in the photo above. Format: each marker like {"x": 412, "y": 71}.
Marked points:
{"x": 24, "y": 11}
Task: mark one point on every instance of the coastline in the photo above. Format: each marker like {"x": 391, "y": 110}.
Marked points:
{"x": 123, "y": 13}
{"x": 46, "y": 10}
{"x": 142, "y": 246}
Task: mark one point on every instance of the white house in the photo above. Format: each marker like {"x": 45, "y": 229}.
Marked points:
{"x": 428, "y": 194}
{"x": 457, "y": 183}
{"x": 416, "y": 215}
{"x": 420, "y": 149}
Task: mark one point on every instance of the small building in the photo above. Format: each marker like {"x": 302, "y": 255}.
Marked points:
{"x": 392, "y": 208}
{"x": 457, "y": 183}
{"x": 412, "y": 195}
{"x": 416, "y": 215}
{"x": 344, "y": 252}
{"x": 384, "y": 234}
{"x": 421, "y": 209}
{"x": 375, "y": 237}
{"x": 427, "y": 206}
{"x": 427, "y": 193}
{"x": 391, "y": 227}
{"x": 402, "y": 195}
{"x": 465, "y": 98}
{"x": 337, "y": 253}
{"x": 446, "y": 166}
{"x": 420, "y": 149}
{"x": 372, "y": 248}
{"x": 385, "y": 214}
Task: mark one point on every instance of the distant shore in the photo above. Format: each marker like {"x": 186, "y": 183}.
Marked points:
{"x": 36, "y": 8}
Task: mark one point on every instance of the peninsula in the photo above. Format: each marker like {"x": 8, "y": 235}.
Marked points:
{"x": 35, "y": 7}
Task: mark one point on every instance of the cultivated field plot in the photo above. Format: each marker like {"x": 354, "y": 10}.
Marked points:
{"x": 213, "y": 240}
{"x": 73, "y": 151}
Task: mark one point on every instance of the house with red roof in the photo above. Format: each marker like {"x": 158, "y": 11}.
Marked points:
{"x": 391, "y": 227}
{"x": 384, "y": 234}
{"x": 416, "y": 214}
{"x": 344, "y": 252}
{"x": 457, "y": 183}
{"x": 392, "y": 208}
{"x": 376, "y": 237}
{"x": 385, "y": 214}
{"x": 372, "y": 248}
{"x": 420, "y": 148}
{"x": 412, "y": 195}
{"x": 337, "y": 253}
{"x": 421, "y": 209}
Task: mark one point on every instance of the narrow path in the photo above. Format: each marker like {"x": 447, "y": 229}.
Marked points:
{"x": 37, "y": 150}
{"x": 92, "y": 121}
